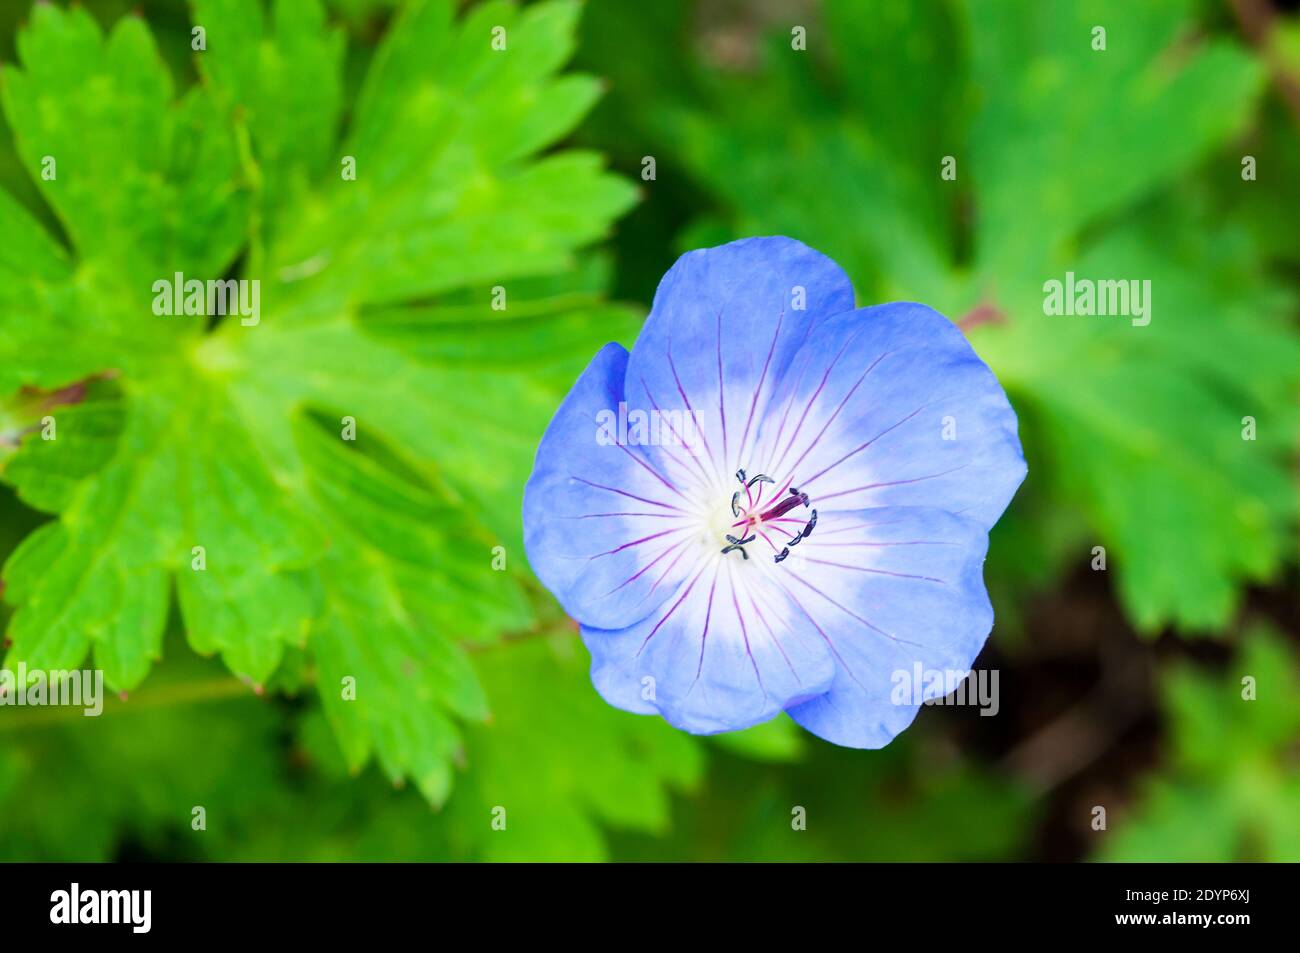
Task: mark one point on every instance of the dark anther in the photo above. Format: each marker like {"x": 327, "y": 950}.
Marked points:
{"x": 735, "y": 546}
{"x": 735, "y": 503}
{"x": 760, "y": 478}
{"x": 741, "y": 542}
{"x": 740, "y": 475}
{"x": 812, "y": 524}
{"x": 781, "y": 555}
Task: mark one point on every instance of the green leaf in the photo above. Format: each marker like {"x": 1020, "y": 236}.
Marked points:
{"x": 556, "y": 763}
{"x": 143, "y": 183}
{"x": 340, "y": 475}
{"x": 173, "y": 481}
{"x": 1228, "y": 788}
{"x": 1164, "y": 406}
{"x": 36, "y": 297}
{"x": 1068, "y": 134}
{"x": 389, "y": 677}
{"x": 444, "y": 198}
{"x": 81, "y": 789}
{"x": 283, "y": 82}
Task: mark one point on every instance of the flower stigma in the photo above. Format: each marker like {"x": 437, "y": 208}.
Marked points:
{"x": 758, "y": 514}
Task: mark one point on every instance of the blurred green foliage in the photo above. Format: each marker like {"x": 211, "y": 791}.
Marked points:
{"x": 1232, "y": 789}
{"x": 374, "y": 559}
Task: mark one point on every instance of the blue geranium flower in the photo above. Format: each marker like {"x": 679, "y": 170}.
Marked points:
{"x": 776, "y": 501}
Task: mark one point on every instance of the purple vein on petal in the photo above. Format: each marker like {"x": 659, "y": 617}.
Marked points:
{"x": 871, "y": 544}
{"x": 850, "y": 612}
{"x": 662, "y": 576}
{"x": 592, "y": 516}
{"x": 680, "y": 600}
{"x": 686, "y": 400}
{"x": 811, "y": 402}
{"x": 649, "y": 469}
{"x": 881, "y": 572}
{"x": 663, "y": 447}
{"x": 637, "y": 542}
{"x": 644, "y": 569}
{"x": 655, "y": 473}
{"x": 722, "y": 392}
{"x": 789, "y": 403}
{"x": 772, "y": 634}
{"x": 631, "y": 496}
{"x": 875, "y": 486}
{"x": 744, "y": 632}
{"x": 842, "y": 404}
{"x": 846, "y": 529}
{"x": 662, "y": 416}
{"x": 859, "y": 449}
{"x": 825, "y": 638}
{"x": 762, "y": 378}
{"x": 704, "y": 636}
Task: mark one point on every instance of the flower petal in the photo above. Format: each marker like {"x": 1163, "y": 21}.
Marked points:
{"x": 605, "y": 525}
{"x": 725, "y": 325}
{"x": 889, "y": 588}
{"x": 726, "y": 653}
{"x": 890, "y": 406}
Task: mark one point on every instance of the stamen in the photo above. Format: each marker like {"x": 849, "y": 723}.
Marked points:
{"x": 786, "y": 505}
{"x": 748, "y": 518}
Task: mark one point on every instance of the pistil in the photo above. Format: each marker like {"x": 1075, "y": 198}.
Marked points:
{"x": 749, "y": 520}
